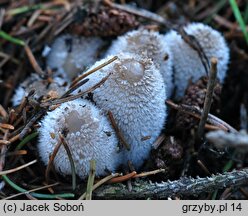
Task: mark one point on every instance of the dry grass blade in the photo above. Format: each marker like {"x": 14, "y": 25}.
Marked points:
{"x": 4, "y": 142}
{"x": 202, "y": 165}
{"x": 18, "y": 152}
{"x": 99, "y": 183}
{"x": 158, "y": 141}
{"x": 51, "y": 159}
{"x": 73, "y": 168}
{"x": 76, "y": 86}
{"x": 33, "y": 190}
{"x": 7, "y": 126}
{"x": 66, "y": 21}
{"x": 145, "y": 174}
{"x": 123, "y": 178}
{"x": 139, "y": 12}
{"x": 73, "y": 97}
{"x": 88, "y": 195}
{"x": 92, "y": 71}
{"x": 17, "y": 168}
{"x": 209, "y": 96}
{"x": 33, "y": 61}
{"x": 117, "y": 130}
{"x": 3, "y": 112}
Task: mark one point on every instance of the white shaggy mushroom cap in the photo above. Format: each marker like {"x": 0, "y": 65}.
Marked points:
{"x": 70, "y": 54}
{"x": 150, "y": 44}
{"x": 88, "y": 134}
{"x": 42, "y": 88}
{"x": 187, "y": 63}
{"x": 135, "y": 93}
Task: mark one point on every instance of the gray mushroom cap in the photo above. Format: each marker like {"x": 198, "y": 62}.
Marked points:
{"x": 42, "y": 88}
{"x": 135, "y": 93}
{"x": 149, "y": 44}
{"x": 89, "y": 136}
{"x": 70, "y": 54}
{"x": 186, "y": 61}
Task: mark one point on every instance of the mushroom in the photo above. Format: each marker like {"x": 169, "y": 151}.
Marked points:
{"x": 88, "y": 134}
{"x": 150, "y": 44}
{"x": 70, "y": 54}
{"x": 42, "y": 88}
{"x": 135, "y": 93}
{"x": 187, "y": 63}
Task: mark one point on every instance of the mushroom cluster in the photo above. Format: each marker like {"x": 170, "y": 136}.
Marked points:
{"x": 135, "y": 94}
{"x": 149, "y": 67}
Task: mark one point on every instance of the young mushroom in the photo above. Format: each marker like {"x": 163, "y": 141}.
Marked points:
{"x": 187, "y": 62}
{"x": 88, "y": 134}
{"x": 70, "y": 54}
{"x": 150, "y": 44}
{"x": 135, "y": 94}
{"x": 42, "y": 88}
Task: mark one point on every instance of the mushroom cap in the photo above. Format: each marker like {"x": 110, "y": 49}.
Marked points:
{"x": 89, "y": 136}
{"x": 150, "y": 44}
{"x": 42, "y": 88}
{"x": 70, "y": 54}
{"x": 187, "y": 63}
{"x": 135, "y": 93}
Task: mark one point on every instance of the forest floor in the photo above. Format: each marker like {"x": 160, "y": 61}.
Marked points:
{"x": 180, "y": 155}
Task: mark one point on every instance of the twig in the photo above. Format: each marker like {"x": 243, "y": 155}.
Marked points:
{"x": 225, "y": 194}
{"x": 5, "y": 172}
{"x": 145, "y": 174}
{"x": 123, "y": 178}
{"x": 203, "y": 167}
{"x": 76, "y": 86}
{"x": 208, "y": 97}
{"x": 222, "y": 139}
{"x": 158, "y": 141}
{"x": 91, "y": 178}
{"x": 73, "y": 97}
{"x": 66, "y": 21}
{"x": 99, "y": 183}
{"x": 183, "y": 187}
{"x": 92, "y": 71}
{"x": 197, "y": 112}
{"x": 117, "y": 130}
{"x": 30, "y": 123}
